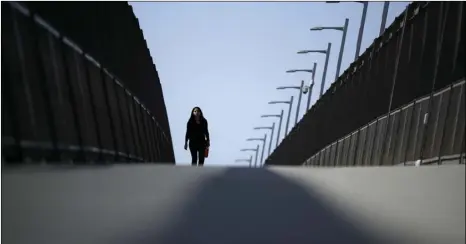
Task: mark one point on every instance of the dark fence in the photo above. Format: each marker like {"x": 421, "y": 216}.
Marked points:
{"x": 421, "y": 52}
{"x": 59, "y": 104}
{"x": 409, "y": 138}
{"x": 110, "y": 32}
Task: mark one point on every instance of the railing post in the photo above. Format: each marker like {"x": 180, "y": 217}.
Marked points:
{"x": 109, "y": 111}
{"x": 86, "y": 64}
{"x": 44, "y": 86}
{"x": 120, "y": 115}
{"x": 72, "y": 100}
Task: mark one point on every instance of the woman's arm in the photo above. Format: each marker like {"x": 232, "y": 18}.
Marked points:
{"x": 188, "y": 133}
{"x": 206, "y": 132}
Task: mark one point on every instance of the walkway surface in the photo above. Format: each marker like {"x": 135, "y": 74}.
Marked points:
{"x": 212, "y": 205}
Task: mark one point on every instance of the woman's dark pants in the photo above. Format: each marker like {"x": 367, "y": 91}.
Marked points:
{"x": 197, "y": 152}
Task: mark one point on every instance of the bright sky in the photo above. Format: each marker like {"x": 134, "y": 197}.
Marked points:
{"x": 228, "y": 58}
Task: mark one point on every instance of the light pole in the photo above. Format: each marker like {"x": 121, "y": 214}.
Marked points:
{"x": 343, "y": 40}
{"x": 361, "y": 26}
{"x": 289, "y": 111}
{"x": 327, "y": 56}
{"x": 245, "y": 160}
{"x": 252, "y": 150}
{"x": 300, "y": 88}
{"x": 263, "y": 146}
{"x": 384, "y": 17}
{"x": 279, "y": 123}
{"x": 311, "y": 85}
{"x": 272, "y": 128}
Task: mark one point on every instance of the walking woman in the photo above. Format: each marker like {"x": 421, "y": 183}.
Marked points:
{"x": 197, "y": 133}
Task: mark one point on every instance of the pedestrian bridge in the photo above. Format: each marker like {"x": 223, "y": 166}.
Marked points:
{"x": 213, "y": 205}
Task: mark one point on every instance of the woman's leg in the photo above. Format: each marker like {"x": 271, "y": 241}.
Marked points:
{"x": 201, "y": 155}
{"x": 193, "y": 150}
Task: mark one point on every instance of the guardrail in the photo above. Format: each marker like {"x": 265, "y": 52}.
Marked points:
{"x": 421, "y": 52}
{"x": 410, "y": 135}
{"x": 59, "y": 104}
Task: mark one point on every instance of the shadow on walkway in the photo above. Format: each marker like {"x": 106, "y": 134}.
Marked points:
{"x": 254, "y": 207}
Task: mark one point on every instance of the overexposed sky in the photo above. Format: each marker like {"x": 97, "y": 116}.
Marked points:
{"x": 229, "y": 57}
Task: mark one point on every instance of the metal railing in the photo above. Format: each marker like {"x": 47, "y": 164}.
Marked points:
{"x": 409, "y": 137}
{"x": 59, "y": 104}
{"x": 421, "y": 52}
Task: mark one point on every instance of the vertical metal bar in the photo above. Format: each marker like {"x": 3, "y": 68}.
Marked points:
{"x": 461, "y": 94}
{"x": 154, "y": 134}
{"x": 138, "y": 130}
{"x": 72, "y": 100}
{"x": 263, "y": 149}
{"x": 129, "y": 104}
{"x": 92, "y": 101}
{"x": 324, "y": 75}
{"x": 408, "y": 135}
{"x": 279, "y": 128}
{"x": 463, "y": 150}
{"x": 458, "y": 35}
{"x": 109, "y": 112}
{"x": 442, "y": 134}
{"x": 441, "y": 30}
{"x": 120, "y": 115}
{"x": 145, "y": 130}
{"x": 395, "y": 129}
{"x": 271, "y": 138}
{"x": 364, "y": 144}
{"x": 289, "y": 115}
{"x": 299, "y": 102}
{"x": 144, "y": 133}
{"x": 392, "y": 92}
{"x": 336, "y": 153}
{"x": 257, "y": 152}
{"x": 361, "y": 30}
{"x": 373, "y": 141}
{"x": 386, "y": 4}
{"x": 309, "y": 96}
{"x": 44, "y": 89}
{"x": 342, "y": 47}
{"x": 356, "y": 147}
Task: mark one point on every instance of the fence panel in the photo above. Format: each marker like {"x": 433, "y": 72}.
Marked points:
{"x": 404, "y": 136}
{"x": 362, "y": 140}
{"x": 61, "y": 105}
{"x": 458, "y": 142}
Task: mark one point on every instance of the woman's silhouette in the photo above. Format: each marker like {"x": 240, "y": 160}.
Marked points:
{"x": 197, "y": 132}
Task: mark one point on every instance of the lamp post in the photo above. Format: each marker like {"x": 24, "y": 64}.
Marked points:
{"x": 327, "y": 56}
{"x": 245, "y": 160}
{"x": 300, "y": 88}
{"x": 289, "y": 111}
{"x": 279, "y": 123}
{"x": 263, "y": 146}
{"x": 384, "y": 17}
{"x": 344, "y": 29}
{"x": 311, "y": 85}
{"x": 272, "y": 128}
{"x": 251, "y": 150}
{"x": 361, "y": 26}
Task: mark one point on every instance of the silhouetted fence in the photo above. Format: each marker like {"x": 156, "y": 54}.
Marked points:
{"x": 59, "y": 104}
{"x": 411, "y": 134}
{"x": 421, "y": 52}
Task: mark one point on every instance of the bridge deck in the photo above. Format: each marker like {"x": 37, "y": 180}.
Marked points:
{"x": 164, "y": 204}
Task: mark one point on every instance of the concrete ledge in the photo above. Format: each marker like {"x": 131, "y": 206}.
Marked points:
{"x": 166, "y": 204}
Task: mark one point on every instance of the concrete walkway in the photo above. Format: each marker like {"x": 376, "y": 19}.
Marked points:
{"x": 212, "y": 205}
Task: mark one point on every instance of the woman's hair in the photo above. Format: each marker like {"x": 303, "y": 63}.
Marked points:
{"x": 192, "y": 119}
